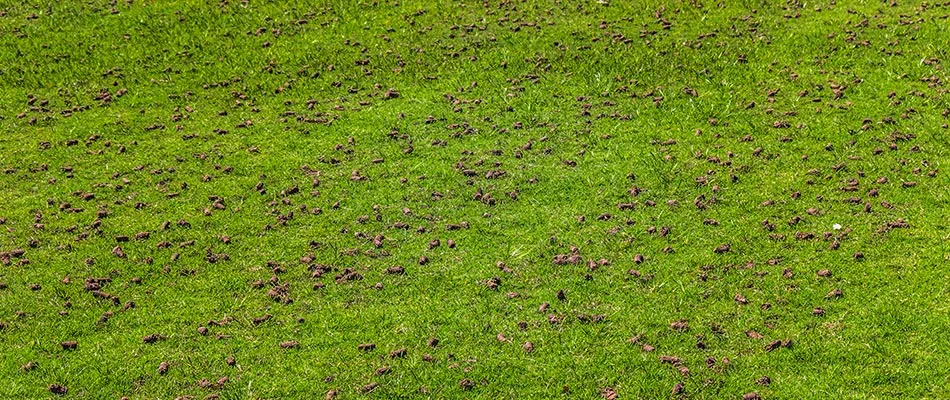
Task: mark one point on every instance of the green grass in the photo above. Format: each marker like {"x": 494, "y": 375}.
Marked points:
{"x": 605, "y": 96}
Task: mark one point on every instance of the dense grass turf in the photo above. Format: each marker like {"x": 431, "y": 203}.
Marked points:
{"x": 586, "y": 199}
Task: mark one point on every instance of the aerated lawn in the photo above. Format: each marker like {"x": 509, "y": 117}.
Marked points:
{"x": 489, "y": 200}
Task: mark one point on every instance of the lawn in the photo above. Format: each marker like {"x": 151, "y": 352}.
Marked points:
{"x": 456, "y": 199}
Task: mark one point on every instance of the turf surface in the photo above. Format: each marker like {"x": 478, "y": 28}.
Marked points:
{"x": 577, "y": 199}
